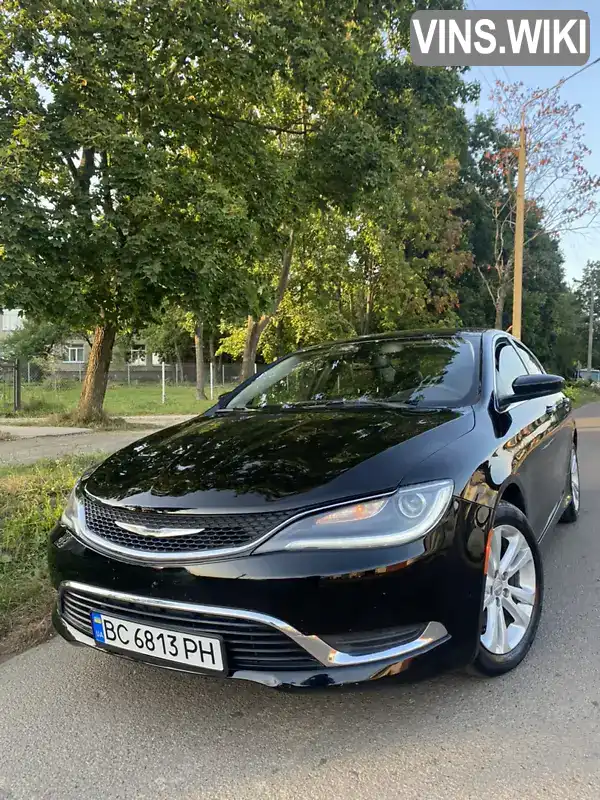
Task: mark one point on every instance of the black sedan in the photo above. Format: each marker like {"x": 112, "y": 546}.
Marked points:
{"x": 360, "y": 509}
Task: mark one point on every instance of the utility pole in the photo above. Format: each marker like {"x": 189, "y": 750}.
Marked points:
{"x": 591, "y": 327}
{"x": 519, "y": 234}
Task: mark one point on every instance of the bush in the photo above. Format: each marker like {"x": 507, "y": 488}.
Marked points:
{"x": 581, "y": 392}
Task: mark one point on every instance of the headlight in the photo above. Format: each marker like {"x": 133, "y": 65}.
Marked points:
{"x": 404, "y": 516}
{"x": 70, "y": 516}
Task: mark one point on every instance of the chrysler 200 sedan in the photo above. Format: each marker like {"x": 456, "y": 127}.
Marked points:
{"x": 360, "y": 509}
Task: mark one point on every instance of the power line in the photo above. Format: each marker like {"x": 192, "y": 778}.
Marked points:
{"x": 578, "y": 72}
{"x": 560, "y": 83}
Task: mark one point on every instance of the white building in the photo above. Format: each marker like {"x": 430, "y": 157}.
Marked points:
{"x": 10, "y": 321}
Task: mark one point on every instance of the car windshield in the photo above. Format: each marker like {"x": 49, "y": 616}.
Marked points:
{"x": 420, "y": 373}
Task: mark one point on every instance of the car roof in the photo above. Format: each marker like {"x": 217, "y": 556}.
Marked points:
{"x": 408, "y": 335}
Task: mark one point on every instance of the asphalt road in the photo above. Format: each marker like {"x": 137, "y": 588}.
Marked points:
{"x": 75, "y": 724}
{"x": 36, "y": 440}
{"x": 27, "y": 450}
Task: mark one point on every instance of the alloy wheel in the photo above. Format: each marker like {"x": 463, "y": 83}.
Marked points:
{"x": 575, "y": 480}
{"x": 510, "y": 590}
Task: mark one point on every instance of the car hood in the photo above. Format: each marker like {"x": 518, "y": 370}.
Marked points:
{"x": 258, "y": 460}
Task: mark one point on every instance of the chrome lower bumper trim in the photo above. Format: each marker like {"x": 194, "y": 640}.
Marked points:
{"x": 434, "y": 633}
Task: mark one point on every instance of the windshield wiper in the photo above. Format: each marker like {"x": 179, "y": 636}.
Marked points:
{"x": 374, "y": 403}
{"x": 393, "y": 405}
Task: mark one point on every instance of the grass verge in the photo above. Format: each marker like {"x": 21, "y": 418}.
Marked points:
{"x": 41, "y": 400}
{"x": 31, "y": 500}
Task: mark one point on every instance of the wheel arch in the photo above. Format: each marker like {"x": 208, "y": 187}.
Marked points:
{"x": 512, "y": 493}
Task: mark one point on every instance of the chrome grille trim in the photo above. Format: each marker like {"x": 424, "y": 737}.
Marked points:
{"x": 248, "y": 644}
{"x": 434, "y": 633}
{"x": 155, "y": 531}
{"x": 132, "y": 556}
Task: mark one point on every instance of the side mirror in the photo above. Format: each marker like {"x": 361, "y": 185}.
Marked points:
{"x": 223, "y": 399}
{"x": 528, "y": 387}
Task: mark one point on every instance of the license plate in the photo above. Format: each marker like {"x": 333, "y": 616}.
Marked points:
{"x": 205, "y": 652}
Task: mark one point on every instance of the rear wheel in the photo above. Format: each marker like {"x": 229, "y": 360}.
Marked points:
{"x": 571, "y": 512}
{"x": 513, "y": 594}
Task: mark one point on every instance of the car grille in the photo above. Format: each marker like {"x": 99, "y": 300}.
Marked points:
{"x": 249, "y": 645}
{"x": 219, "y": 530}
{"x": 360, "y": 642}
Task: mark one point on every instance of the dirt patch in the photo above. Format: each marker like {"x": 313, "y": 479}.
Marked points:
{"x": 25, "y": 627}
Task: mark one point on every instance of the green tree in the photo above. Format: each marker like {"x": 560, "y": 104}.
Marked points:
{"x": 129, "y": 168}
{"x": 169, "y": 336}
{"x": 367, "y": 114}
{"x": 587, "y": 288}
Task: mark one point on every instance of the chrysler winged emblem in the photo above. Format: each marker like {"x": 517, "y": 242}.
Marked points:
{"x": 157, "y": 533}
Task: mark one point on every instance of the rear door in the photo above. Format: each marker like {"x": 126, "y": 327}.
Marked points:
{"x": 530, "y": 438}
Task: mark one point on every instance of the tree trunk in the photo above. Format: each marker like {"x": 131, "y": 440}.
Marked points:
{"x": 199, "y": 348}
{"x": 93, "y": 389}
{"x": 256, "y": 328}
{"x": 500, "y": 301}
{"x": 211, "y": 355}
{"x": 366, "y": 325}
{"x": 250, "y": 346}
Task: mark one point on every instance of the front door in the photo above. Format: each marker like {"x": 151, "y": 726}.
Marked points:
{"x": 558, "y": 408}
{"x": 531, "y": 439}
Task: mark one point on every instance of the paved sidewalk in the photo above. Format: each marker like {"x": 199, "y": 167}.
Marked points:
{"x": 35, "y": 431}
{"x": 30, "y": 442}
{"x": 28, "y": 450}
{"x": 160, "y": 420}
{"x": 10, "y": 424}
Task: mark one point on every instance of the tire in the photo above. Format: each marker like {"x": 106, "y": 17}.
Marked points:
{"x": 571, "y": 512}
{"x": 502, "y": 646}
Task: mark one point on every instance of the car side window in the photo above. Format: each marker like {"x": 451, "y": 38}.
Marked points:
{"x": 533, "y": 365}
{"x": 508, "y": 367}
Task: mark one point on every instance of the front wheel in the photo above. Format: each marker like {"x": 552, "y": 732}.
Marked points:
{"x": 513, "y": 594}
{"x": 571, "y": 512}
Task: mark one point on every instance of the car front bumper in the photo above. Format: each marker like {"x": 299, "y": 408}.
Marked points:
{"x": 325, "y": 605}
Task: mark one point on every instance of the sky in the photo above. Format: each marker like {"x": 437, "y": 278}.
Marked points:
{"x": 583, "y": 89}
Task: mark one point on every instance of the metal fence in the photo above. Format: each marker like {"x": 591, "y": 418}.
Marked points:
{"x": 131, "y": 374}
{"x": 10, "y": 386}
{"x": 45, "y": 389}
{"x": 589, "y": 375}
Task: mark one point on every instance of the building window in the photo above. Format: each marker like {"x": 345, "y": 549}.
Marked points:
{"x": 137, "y": 356}
{"x": 11, "y": 321}
{"x": 74, "y": 354}
{"x": 157, "y": 359}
